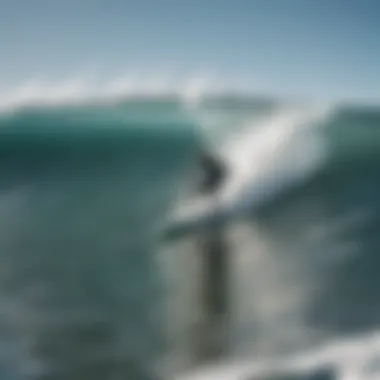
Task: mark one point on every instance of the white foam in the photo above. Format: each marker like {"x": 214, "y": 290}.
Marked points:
{"x": 353, "y": 358}
{"x": 261, "y": 162}
{"x": 86, "y": 88}
{"x": 283, "y": 149}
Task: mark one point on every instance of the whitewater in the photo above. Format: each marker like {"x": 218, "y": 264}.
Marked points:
{"x": 89, "y": 179}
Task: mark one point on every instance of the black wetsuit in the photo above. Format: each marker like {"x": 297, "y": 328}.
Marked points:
{"x": 213, "y": 173}
{"x": 214, "y": 270}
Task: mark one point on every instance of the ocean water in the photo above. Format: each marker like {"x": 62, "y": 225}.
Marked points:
{"x": 90, "y": 290}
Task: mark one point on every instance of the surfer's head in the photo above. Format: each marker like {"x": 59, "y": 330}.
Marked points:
{"x": 213, "y": 173}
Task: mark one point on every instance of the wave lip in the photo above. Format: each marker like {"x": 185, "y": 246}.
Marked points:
{"x": 84, "y": 90}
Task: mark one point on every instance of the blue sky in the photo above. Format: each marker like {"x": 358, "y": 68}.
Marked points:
{"x": 319, "y": 48}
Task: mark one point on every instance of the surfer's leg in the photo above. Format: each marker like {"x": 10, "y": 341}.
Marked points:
{"x": 213, "y": 255}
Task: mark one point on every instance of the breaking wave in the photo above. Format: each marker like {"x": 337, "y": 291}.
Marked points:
{"x": 87, "y": 180}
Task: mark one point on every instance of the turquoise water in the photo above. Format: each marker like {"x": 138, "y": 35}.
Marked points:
{"x": 89, "y": 291}
{"x": 82, "y": 194}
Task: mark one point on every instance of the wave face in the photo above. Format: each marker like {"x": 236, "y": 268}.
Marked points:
{"x": 84, "y": 188}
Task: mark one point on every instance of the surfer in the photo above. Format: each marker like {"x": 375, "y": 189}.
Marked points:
{"x": 213, "y": 173}
{"x": 214, "y": 270}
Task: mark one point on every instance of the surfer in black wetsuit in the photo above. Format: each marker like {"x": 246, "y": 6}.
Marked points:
{"x": 214, "y": 270}
{"x": 213, "y": 174}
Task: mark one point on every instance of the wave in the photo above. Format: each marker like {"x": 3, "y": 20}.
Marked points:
{"x": 81, "y": 191}
{"x": 304, "y": 259}
{"x": 262, "y": 160}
